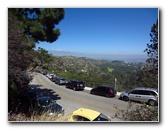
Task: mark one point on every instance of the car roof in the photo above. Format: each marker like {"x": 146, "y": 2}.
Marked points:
{"x": 76, "y": 81}
{"x": 144, "y": 88}
{"x": 88, "y": 113}
{"x": 106, "y": 86}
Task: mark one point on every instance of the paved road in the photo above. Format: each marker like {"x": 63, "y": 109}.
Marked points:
{"x": 71, "y": 100}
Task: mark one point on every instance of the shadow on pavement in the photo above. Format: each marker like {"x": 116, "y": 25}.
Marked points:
{"x": 40, "y": 91}
{"x": 22, "y": 103}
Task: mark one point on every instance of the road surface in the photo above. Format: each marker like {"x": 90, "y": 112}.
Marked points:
{"x": 72, "y": 100}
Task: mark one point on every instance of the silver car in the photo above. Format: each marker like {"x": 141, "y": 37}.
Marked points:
{"x": 144, "y": 95}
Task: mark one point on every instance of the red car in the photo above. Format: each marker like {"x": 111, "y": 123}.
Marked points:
{"x": 107, "y": 91}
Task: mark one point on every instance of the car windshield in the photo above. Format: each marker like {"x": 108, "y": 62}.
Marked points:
{"x": 81, "y": 83}
{"x": 129, "y": 91}
{"x": 102, "y": 117}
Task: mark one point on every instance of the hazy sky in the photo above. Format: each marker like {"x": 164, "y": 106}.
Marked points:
{"x": 123, "y": 31}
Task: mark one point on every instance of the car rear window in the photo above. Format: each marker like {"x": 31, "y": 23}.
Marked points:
{"x": 102, "y": 117}
{"x": 79, "y": 118}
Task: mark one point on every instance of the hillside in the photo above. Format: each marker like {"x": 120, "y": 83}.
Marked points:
{"x": 97, "y": 71}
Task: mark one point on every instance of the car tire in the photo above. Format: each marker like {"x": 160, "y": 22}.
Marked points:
{"x": 91, "y": 92}
{"x": 125, "y": 98}
{"x": 108, "y": 95}
{"x": 152, "y": 102}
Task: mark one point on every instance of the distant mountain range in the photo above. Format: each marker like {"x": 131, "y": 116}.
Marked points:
{"x": 125, "y": 58}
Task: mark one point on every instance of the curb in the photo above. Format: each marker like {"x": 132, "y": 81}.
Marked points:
{"x": 88, "y": 88}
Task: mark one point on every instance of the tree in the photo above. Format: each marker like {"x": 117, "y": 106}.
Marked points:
{"x": 152, "y": 51}
{"x": 19, "y": 59}
{"x": 26, "y": 26}
{"x": 39, "y": 24}
{"x": 42, "y": 59}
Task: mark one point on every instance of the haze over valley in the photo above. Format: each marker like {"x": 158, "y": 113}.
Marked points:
{"x": 110, "y": 57}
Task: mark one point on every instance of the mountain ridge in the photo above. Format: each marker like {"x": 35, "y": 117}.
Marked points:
{"x": 110, "y": 57}
{"x": 98, "y": 71}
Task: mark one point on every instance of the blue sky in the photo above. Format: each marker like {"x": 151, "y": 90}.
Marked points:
{"x": 111, "y": 31}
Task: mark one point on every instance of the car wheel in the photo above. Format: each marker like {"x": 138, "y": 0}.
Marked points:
{"x": 152, "y": 103}
{"x": 91, "y": 92}
{"x": 108, "y": 95}
{"x": 125, "y": 98}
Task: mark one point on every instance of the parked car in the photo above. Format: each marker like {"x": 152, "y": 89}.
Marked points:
{"x": 45, "y": 104}
{"x": 50, "y": 75}
{"x": 144, "y": 95}
{"x": 44, "y": 72}
{"x": 83, "y": 114}
{"x": 60, "y": 81}
{"x": 54, "y": 78}
{"x": 75, "y": 85}
{"x": 107, "y": 91}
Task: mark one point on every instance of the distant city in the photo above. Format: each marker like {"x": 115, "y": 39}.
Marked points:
{"x": 125, "y": 58}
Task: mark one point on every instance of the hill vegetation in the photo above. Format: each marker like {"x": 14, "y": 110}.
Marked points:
{"x": 100, "y": 72}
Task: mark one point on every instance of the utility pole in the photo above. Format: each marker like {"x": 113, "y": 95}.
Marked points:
{"x": 115, "y": 84}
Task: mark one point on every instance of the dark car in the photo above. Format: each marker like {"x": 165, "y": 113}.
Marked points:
{"x": 45, "y": 104}
{"x": 75, "y": 85}
{"x": 60, "y": 81}
{"x": 45, "y": 73}
{"x": 54, "y": 78}
{"x": 107, "y": 91}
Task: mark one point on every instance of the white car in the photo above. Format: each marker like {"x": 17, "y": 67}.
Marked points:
{"x": 144, "y": 95}
{"x": 50, "y": 75}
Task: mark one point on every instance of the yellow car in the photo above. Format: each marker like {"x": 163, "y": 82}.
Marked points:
{"x": 83, "y": 114}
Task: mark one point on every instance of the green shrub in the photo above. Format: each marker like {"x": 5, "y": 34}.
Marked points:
{"x": 141, "y": 112}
